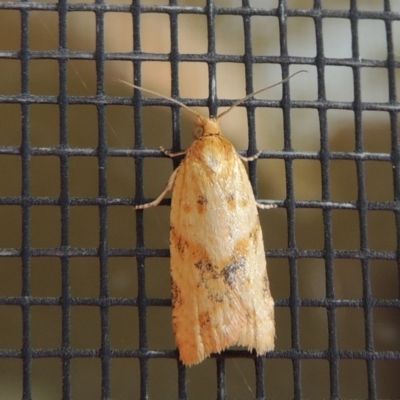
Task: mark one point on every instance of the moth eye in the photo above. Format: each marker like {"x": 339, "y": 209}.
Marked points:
{"x": 198, "y": 132}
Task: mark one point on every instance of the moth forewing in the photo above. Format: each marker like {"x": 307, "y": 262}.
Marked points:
{"x": 220, "y": 286}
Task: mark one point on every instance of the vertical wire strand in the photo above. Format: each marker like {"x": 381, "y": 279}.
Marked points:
{"x": 333, "y": 350}
{"x": 139, "y": 191}
{"x": 26, "y": 210}
{"x": 65, "y": 203}
{"x": 362, "y": 204}
{"x": 290, "y": 204}
{"x": 103, "y": 214}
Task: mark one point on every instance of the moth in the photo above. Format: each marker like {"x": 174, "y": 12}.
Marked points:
{"x": 220, "y": 287}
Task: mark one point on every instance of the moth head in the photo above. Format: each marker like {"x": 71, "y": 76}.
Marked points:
{"x": 205, "y": 127}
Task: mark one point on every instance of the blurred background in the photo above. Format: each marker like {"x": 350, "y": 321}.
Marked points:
{"x": 45, "y": 272}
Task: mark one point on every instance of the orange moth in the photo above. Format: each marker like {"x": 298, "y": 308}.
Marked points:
{"x": 220, "y": 287}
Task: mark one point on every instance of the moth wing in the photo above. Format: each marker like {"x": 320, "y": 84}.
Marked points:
{"x": 220, "y": 286}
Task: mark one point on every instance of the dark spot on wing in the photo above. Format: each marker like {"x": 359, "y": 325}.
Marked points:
{"x": 266, "y": 284}
{"x": 201, "y": 204}
{"x": 231, "y": 271}
{"x": 216, "y": 297}
{"x": 204, "y": 319}
{"x": 180, "y": 243}
{"x": 255, "y": 234}
{"x": 202, "y": 200}
{"x": 208, "y": 270}
{"x": 176, "y": 294}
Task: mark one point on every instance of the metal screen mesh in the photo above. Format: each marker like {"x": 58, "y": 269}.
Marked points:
{"x": 27, "y": 247}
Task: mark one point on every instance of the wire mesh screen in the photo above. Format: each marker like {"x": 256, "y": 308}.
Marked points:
{"x": 85, "y": 305}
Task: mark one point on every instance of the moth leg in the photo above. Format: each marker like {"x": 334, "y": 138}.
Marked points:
{"x": 169, "y": 154}
{"x": 251, "y": 158}
{"x": 157, "y": 201}
{"x": 265, "y": 206}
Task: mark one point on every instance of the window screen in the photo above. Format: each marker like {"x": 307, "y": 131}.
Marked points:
{"x": 85, "y": 305}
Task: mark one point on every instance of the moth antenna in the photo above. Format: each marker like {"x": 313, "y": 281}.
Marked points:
{"x": 236, "y": 103}
{"x": 159, "y": 95}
